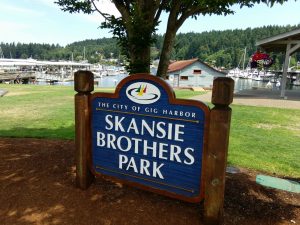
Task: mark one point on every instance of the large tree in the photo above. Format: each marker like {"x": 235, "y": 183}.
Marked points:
{"x": 135, "y": 28}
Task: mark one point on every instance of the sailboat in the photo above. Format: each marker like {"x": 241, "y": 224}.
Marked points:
{"x": 237, "y": 72}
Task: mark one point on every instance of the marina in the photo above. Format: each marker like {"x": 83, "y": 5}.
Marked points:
{"x": 246, "y": 84}
{"x": 30, "y": 71}
{"x": 265, "y": 79}
{"x": 113, "y": 80}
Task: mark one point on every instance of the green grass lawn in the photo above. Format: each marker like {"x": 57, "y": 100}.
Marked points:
{"x": 266, "y": 139}
{"x": 43, "y": 111}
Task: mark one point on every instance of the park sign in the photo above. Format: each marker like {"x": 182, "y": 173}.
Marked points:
{"x": 142, "y": 135}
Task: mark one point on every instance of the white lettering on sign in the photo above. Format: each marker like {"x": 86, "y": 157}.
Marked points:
{"x": 179, "y": 113}
{"x": 145, "y": 148}
{"x": 160, "y": 130}
{"x": 145, "y": 166}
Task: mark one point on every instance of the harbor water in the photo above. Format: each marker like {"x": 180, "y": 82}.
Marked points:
{"x": 245, "y": 84}
{"x": 240, "y": 84}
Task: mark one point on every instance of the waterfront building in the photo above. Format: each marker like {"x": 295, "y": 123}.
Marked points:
{"x": 192, "y": 72}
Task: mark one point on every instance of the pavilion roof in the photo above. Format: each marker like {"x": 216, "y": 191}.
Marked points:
{"x": 279, "y": 42}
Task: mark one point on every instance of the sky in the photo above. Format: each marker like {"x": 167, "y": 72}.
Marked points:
{"x": 42, "y": 21}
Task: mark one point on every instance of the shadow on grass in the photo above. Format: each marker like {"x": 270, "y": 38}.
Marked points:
{"x": 37, "y": 187}
{"x": 63, "y": 132}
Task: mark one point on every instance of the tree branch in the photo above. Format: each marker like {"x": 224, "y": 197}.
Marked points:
{"x": 101, "y": 13}
{"x": 189, "y": 12}
{"x": 124, "y": 10}
{"x": 193, "y": 11}
{"x": 161, "y": 5}
{"x": 172, "y": 20}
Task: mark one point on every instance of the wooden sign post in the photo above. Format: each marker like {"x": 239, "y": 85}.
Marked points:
{"x": 222, "y": 97}
{"x": 143, "y": 136}
{"x": 84, "y": 85}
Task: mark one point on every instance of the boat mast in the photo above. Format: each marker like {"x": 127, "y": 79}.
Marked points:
{"x": 84, "y": 53}
{"x": 1, "y": 53}
{"x": 244, "y": 58}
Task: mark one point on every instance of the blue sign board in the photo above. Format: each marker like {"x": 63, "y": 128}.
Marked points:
{"x": 144, "y": 136}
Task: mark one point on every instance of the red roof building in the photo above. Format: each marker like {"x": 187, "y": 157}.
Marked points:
{"x": 179, "y": 65}
{"x": 192, "y": 72}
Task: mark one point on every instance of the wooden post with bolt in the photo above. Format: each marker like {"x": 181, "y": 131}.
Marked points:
{"x": 220, "y": 117}
{"x": 84, "y": 85}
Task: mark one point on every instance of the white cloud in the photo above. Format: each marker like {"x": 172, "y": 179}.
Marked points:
{"x": 94, "y": 18}
{"x": 13, "y": 31}
{"x": 106, "y": 6}
{"x": 12, "y": 26}
{"x": 48, "y": 3}
{"x": 15, "y": 9}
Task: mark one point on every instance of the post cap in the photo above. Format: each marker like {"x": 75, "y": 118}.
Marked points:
{"x": 84, "y": 81}
{"x": 222, "y": 93}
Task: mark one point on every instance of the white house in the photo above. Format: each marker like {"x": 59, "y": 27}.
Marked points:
{"x": 192, "y": 72}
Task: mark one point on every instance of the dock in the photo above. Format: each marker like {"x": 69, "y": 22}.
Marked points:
{"x": 29, "y": 70}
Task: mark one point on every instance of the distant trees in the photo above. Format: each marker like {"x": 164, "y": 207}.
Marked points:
{"x": 218, "y": 48}
{"x": 95, "y": 50}
{"x": 225, "y": 48}
{"x": 92, "y": 50}
{"x": 36, "y": 51}
{"x": 136, "y": 26}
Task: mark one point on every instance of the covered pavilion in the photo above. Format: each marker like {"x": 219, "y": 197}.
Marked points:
{"x": 288, "y": 42}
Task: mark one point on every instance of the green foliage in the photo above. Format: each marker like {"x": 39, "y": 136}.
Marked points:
{"x": 136, "y": 26}
{"x": 118, "y": 29}
{"x": 74, "y": 6}
{"x": 95, "y": 50}
{"x": 226, "y": 47}
{"x": 220, "y": 58}
{"x": 220, "y": 48}
{"x": 133, "y": 37}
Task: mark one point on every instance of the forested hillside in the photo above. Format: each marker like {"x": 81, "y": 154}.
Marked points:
{"x": 225, "y": 48}
{"x": 219, "y": 48}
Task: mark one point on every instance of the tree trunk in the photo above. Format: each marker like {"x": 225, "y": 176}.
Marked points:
{"x": 168, "y": 41}
{"x": 166, "y": 54}
{"x": 139, "y": 59}
{"x": 139, "y": 33}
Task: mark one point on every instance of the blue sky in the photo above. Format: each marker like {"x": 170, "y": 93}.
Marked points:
{"x": 41, "y": 21}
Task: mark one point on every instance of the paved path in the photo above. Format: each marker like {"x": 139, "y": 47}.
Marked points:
{"x": 266, "y": 98}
